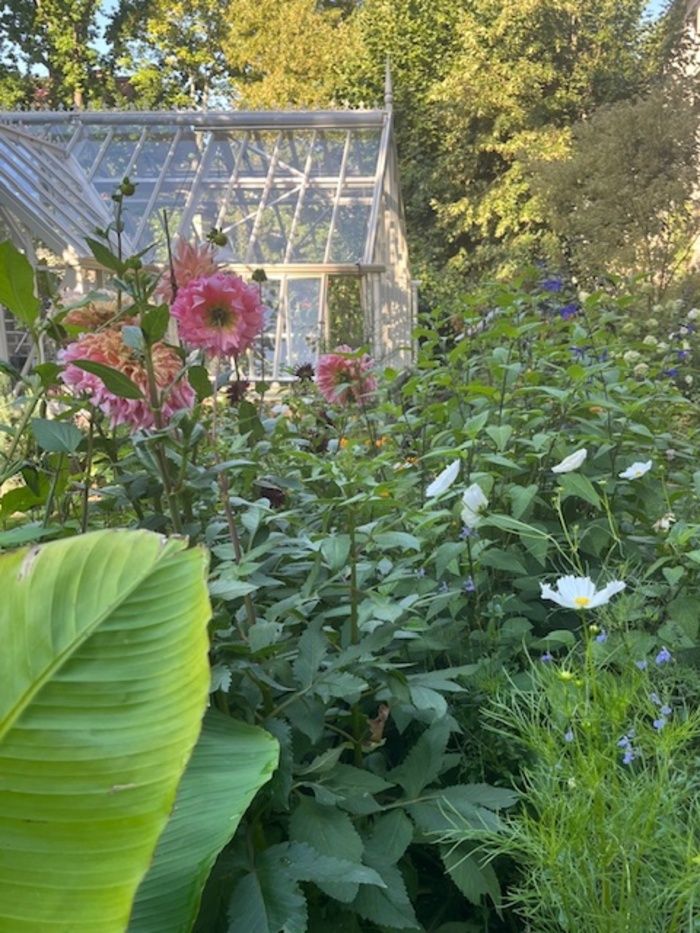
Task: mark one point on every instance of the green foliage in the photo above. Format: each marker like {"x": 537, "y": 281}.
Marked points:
{"x": 609, "y": 839}
{"x": 621, "y": 201}
{"x": 228, "y": 765}
{"x": 91, "y": 684}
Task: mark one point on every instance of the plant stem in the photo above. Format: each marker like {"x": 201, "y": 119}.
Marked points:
{"x": 87, "y": 475}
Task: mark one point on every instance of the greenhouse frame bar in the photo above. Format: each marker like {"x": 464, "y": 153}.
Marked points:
{"x": 311, "y": 198}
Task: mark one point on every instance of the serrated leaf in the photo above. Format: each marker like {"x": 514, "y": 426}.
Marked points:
{"x": 312, "y": 650}
{"x": 472, "y": 879}
{"x": 17, "y": 284}
{"x": 304, "y": 863}
{"x": 341, "y": 684}
{"x": 388, "y": 907}
{"x": 391, "y": 836}
{"x": 330, "y": 832}
{"x": 424, "y": 761}
{"x": 267, "y": 901}
{"x": 56, "y": 436}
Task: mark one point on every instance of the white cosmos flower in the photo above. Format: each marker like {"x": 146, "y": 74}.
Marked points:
{"x": 572, "y": 462}
{"x": 443, "y": 481}
{"x": 636, "y": 470}
{"x": 474, "y": 502}
{"x": 580, "y": 592}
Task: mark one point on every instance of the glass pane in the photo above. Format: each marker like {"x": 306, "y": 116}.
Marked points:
{"x": 255, "y": 161}
{"x": 311, "y": 233}
{"x": 275, "y": 225}
{"x": 239, "y": 220}
{"x": 328, "y": 152}
{"x": 117, "y": 156}
{"x": 346, "y": 320}
{"x": 151, "y": 159}
{"x": 363, "y": 153}
{"x": 292, "y": 151}
{"x": 87, "y": 149}
{"x": 303, "y": 333}
{"x": 349, "y": 233}
{"x": 263, "y": 352}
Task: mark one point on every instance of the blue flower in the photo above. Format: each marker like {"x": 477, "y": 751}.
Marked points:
{"x": 469, "y": 586}
{"x": 629, "y": 756}
{"x": 553, "y": 284}
{"x": 666, "y": 710}
{"x": 655, "y": 699}
{"x": 602, "y": 637}
{"x": 671, "y": 373}
{"x": 569, "y": 311}
{"x": 664, "y": 656}
{"x": 659, "y": 723}
{"x": 642, "y": 665}
{"x": 467, "y": 532}
{"x": 420, "y": 572}
{"x": 682, "y": 354}
{"x": 569, "y": 735}
{"x": 547, "y": 656}
{"x": 624, "y": 742}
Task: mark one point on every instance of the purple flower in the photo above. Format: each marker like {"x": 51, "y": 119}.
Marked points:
{"x": 659, "y": 724}
{"x": 666, "y": 710}
{"x": 671, "y": 373}
{"x": 467, "y": 532}
{"x": 547, "y": 656}
{"x": 569, "y": 311}
{"x": 642, "y": 665}
{"x": 469, "y": 586}
{"x": 624, "y": 742}
{"x": 682, "y": 354}
{"x": 664, "y": 656}
{"x": 569, "y": 735}
{"x": 553, "y": 284}
{"x": 602, "y": 637}
{"x": 629, "y": 756}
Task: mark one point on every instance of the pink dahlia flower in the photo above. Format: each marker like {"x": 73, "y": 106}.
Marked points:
{"x": 344, "y": 378}
{"x": 190, "y": 261}
{"x": 107, "y": 347}
{"x": 219, "y": 314}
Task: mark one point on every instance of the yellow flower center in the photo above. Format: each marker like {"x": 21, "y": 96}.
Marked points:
{"x": 582, "y": 601}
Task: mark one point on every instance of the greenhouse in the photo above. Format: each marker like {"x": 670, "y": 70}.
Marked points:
{"x": 311, "y": 198}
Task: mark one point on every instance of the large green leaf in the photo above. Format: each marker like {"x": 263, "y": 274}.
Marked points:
{"x": 103, "y": 684}
{"x": 17, "y": 284}
{"x": 231, "y": 761}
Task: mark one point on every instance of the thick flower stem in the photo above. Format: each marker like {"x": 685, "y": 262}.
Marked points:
{"x": 159, "y": 446}
{"x": 87, "y": 475}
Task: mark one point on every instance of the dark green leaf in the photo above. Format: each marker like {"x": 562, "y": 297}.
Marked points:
{"x": 56, "y": 436}
{"x": 17, "y": 284}
{"x": 115, "y": 381}
{"x": 105, "y": 256}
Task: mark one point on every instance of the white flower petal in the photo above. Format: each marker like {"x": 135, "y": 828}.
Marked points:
{"x": 474, "y": 504}
{"x": 443, "y": 481}
{"x": 580, "y": 592}
{"x": 572, "y": 462}
{"x": 635, "y": 470}
{"x": 604, "y": 596}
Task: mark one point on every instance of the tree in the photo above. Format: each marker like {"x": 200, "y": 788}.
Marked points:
{"x": 622, "y": 200}
{"x": 55, "y": 36}
{"x": 283, "y": 52}
{"x": 524, "y": 73}
{"x": 171, "y": 51}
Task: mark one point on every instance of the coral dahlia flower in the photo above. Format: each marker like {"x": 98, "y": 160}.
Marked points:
{"x": 219, "y": 314}
{"x": 190, "y": 261}
{"x": 343, "y": 378}
{"x": 107, "y": 347}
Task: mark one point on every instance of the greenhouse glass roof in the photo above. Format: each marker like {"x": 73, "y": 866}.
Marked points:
{"x": 286, "y": 188}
